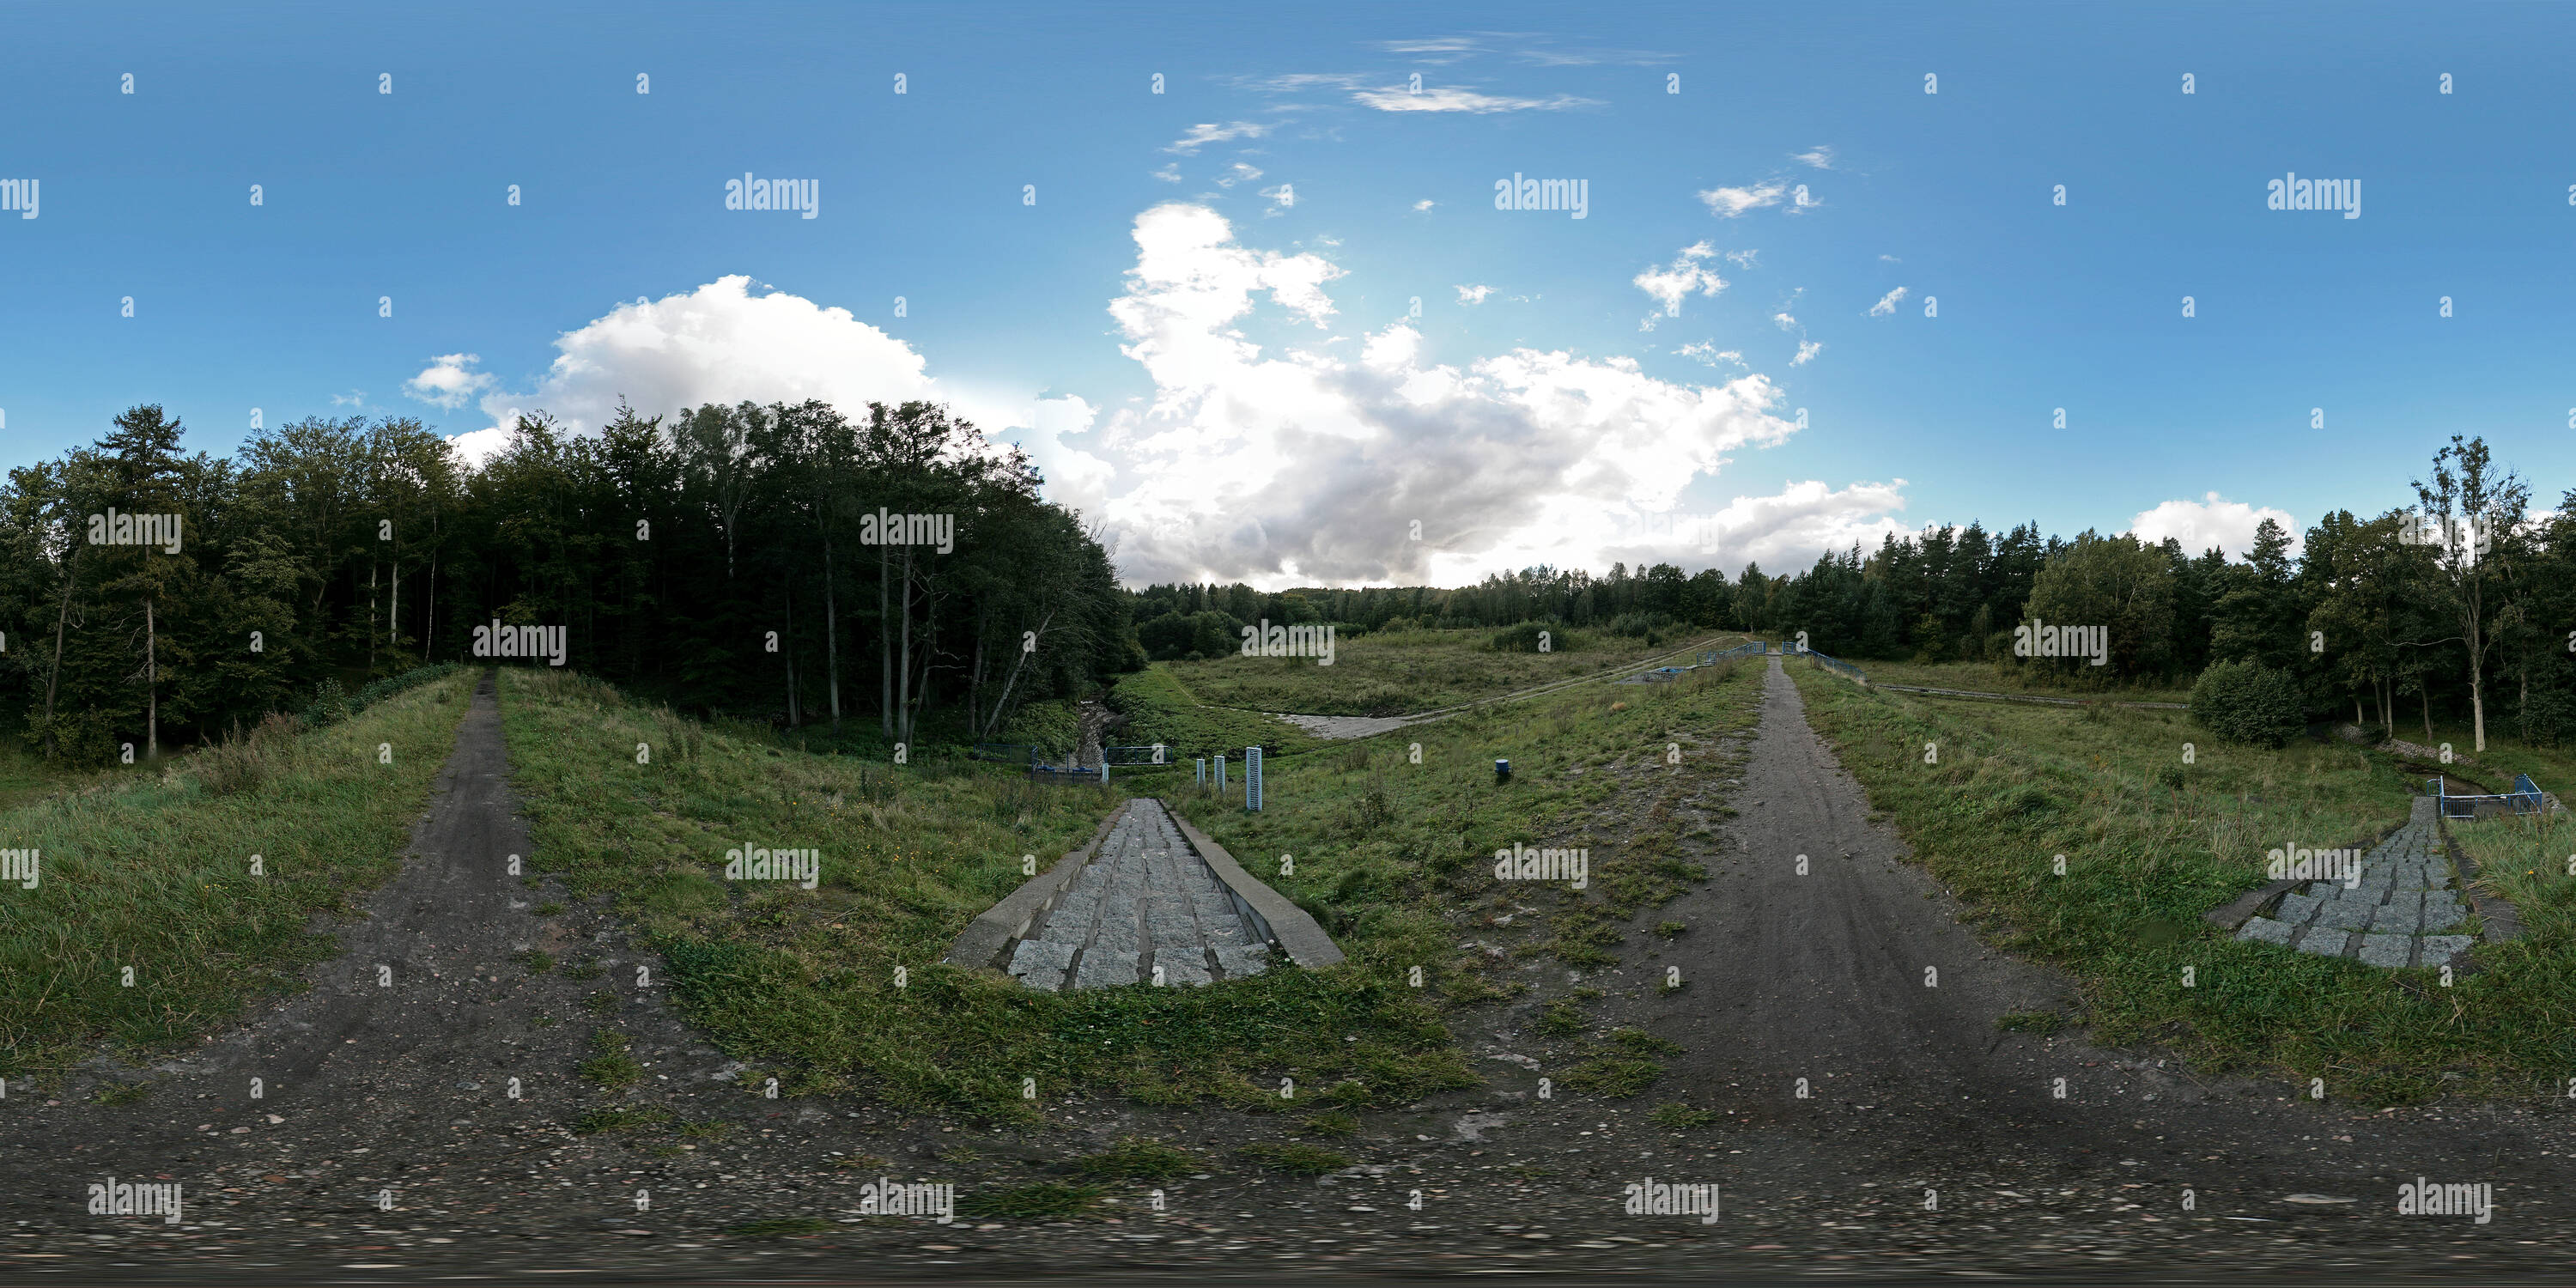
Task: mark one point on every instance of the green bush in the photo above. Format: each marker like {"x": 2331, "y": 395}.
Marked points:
{"x": 2247, "y": 702}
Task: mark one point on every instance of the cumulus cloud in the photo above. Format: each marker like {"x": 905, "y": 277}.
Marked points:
{"x": 1820, "y": 156}
{"x": 1293, "y": 466}
{"x": 1170, "y": 173}
{"x": 2211, "y": 521}
{"x": 722, "y": 343}
{"x": 1473, "y": 294}
{"x": 1201, "y": 135}
{"x": 1710, "y": 355}
{"x": 449, "y": 381}
{"x": 1669, "y": 283}
{"x": 1425, "y": 204}
{"x": 1887, "y": 303}
{"x": 1807, "y": 350}
{"x": 1239, "y": 172}
{"x": 1784, "y": 532}
{"x": 1449, "y": 98}
{"x": 1727, "y": 203}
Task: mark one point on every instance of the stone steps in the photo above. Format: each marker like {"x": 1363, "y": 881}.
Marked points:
{"x": 2403, "y": 911}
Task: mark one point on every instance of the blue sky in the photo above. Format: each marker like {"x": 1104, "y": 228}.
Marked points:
{"x": 1261, "y": 403}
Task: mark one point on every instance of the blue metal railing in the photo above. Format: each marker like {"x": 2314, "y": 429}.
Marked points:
{"x": 1838, "y": 665}
{"x": 2525, "y": 798}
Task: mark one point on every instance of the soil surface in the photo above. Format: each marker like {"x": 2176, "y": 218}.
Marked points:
{"x": 386, "y": 1146}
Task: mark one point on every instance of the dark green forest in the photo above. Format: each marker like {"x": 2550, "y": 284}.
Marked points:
{"x": 728, "y": 561}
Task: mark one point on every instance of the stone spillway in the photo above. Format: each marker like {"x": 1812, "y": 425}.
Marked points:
{"x": 1146, "y": 902}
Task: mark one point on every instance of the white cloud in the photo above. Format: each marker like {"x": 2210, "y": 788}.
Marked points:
{"x": 1820, "y": 156}
{"x": 723, "y": 344}
{"x": 1671, "y": 282}
{"x": 449, "y": 381}
{"x": 1742, "y": 258}
{"x": 1170, "y": 173}
{"x": 1281, "y": 197}
{"x": 1710, "y": 355}
{"x": 1785, "y": 532}
{"x": 2211, "y": 521}
{"x": 1729, "y": 202}
{"x": 1785, "y": 320}
{"x": 1450, "y": 98}
{"x": 1473, "y": 294}
{"x": 1887, "y": 303}
{"x": 1293, "y": 466}
{"x": 1807, "y": 350}
{"x": 1201, "y": 135}
{"x": 1435, "y": 50}
{"x": 720, "y": 343}
{"x": 1238, "y": 173}
{"x": 1891, "y": 259}
{"x": 354, "y": 398}
{"x": 1424, "y": 204}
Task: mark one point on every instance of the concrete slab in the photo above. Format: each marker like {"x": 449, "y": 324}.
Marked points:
{"x": 2325, "y": 943}
{"x": 2441, "y": 949}
{"x": 2264, "y": 930}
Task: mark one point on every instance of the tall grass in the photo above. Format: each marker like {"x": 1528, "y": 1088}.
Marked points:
{"x": 152, "y": 873}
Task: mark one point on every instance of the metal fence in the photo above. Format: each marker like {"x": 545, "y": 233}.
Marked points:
{"x": 1752, "y": 649}
{"x": 1837, "y": 665}
{"x": 2525, "y": 798}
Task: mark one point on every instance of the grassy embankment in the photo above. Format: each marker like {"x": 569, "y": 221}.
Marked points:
{"x": 152, "y": 872}
{"x": 1404, "y": 672}
{"x": 2051, "y": 680}
{"x": 1390, "y": 854}
{"x": 2150, "y": 845}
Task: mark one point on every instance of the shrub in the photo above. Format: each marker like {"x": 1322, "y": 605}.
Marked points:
{"x": 2247, "y": 702}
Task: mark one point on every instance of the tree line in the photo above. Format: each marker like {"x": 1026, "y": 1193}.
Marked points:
{"x": 755, "y": 561}
{"x": 2447, "y": 605}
